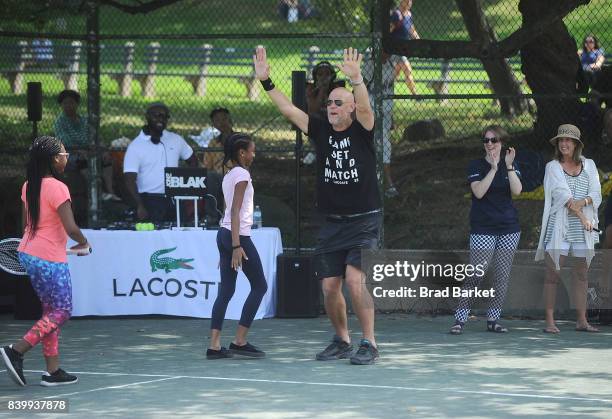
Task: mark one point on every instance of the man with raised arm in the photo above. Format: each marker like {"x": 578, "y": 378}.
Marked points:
{"x": 348, "y": 197}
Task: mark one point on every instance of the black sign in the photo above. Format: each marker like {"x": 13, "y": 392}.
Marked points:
{"x": 185, "y": 181}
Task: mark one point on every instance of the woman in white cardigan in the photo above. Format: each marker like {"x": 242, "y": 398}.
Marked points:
{"x": 572, "y": 195}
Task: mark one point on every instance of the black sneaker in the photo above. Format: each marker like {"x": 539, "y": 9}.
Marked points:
{"x": 366, "y": 354}
{"x": 338, "y": 349}
{"x": 246, "y": 350}
{"x": 14, "y": 364}
{"x": 58, "y": 378}
{"x": 218, "y": 354}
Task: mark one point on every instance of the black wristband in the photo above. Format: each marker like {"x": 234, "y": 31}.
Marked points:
{"x": 267, "y": 84}
{"x": 236, "y": 247}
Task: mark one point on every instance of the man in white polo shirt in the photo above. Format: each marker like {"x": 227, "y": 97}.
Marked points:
{"x": 145, "y": 159}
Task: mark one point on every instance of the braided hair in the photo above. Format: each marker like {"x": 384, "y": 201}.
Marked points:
{"x": 234, "y": 143}
{"x": 40, "y": 164}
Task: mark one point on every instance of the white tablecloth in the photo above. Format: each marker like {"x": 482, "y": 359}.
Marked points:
{"x": 123, "y": 277}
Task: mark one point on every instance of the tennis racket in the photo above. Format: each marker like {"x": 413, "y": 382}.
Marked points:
{"x": 9, "y": 260}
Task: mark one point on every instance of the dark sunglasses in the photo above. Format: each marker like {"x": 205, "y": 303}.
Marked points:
{"x": 493, "y": 140}
{"x": 589, "y": 41}
{"x": 338, "y": 102}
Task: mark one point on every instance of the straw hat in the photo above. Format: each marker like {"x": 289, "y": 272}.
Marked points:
{"x": 567, "y": 131}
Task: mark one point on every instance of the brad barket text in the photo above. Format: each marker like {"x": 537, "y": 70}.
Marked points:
{"x": 425, "y": 292}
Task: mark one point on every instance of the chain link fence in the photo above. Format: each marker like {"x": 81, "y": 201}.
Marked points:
{"x": 197, "y": 56}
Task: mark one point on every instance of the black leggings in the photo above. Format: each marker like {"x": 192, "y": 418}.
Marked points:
{"x": 252, "y": 269}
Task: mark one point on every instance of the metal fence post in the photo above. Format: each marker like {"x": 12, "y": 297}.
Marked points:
{"x": 378, "y": 107}
{"x": 93, "y": 103}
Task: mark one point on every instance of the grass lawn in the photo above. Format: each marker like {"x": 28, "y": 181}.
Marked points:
{"x": 225, "y": 24}
{"x": 435, "y": 19}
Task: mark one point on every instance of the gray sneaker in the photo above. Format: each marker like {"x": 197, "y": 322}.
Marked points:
{"x": 366, "y": 354}
{"x": 14, "y": 364}
{"x": 338, "y": 349}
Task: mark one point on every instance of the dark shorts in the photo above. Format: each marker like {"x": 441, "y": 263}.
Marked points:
{"x": 340, "y": 243}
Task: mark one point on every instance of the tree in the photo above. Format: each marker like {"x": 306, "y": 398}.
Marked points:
{"x": 548, "y": 53}
{"x": 346, "y": 15}
{"x": 503, "y": 82}
{"x": 550, "y": 64}
{"x": 40, "y": 11}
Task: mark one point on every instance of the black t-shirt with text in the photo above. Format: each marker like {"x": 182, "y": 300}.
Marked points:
{"x": 346, "y": 168}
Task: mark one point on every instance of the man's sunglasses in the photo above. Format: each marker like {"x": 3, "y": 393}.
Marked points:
{"x": 492, "y": 140}
{"x": 64, "y": 154}
{"x": 338, "y": 102}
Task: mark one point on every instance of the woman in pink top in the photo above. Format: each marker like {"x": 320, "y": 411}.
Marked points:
{"x": 48, "y": 217}
{"x": 236, "y": 250}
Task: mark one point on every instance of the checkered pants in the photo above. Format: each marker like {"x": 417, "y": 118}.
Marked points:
{"x": 487, "y": 250}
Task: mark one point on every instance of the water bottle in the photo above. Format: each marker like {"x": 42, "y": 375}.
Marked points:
{"x": 257, "y": 217}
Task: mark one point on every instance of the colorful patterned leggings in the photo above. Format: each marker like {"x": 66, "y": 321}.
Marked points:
{"x": 51, "y": 281}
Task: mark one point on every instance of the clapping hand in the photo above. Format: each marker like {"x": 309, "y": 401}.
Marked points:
{"x": 493, "y": 159}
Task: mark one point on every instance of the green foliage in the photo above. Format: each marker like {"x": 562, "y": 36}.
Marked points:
{"x": 36, "y": 14}
{"x": 346, "y": 15}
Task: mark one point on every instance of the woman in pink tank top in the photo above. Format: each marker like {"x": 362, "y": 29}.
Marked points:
{"x": 48, "y": 218}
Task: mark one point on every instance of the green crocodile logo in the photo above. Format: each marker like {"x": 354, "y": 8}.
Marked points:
{"x": 168, "y": 263}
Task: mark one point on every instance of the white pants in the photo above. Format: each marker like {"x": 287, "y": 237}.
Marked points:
{"x": 577, "y": 250}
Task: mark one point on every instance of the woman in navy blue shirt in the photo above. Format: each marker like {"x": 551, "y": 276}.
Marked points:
{"x": 592, "y": 57}
{"x": 495, "y": 230}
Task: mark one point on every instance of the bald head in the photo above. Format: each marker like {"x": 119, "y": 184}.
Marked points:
{"x": 342, "y": 93}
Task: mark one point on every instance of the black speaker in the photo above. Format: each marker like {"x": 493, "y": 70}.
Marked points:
{"x": 298, "y": 89}
{"x": 297, "y": 289}
{"x": 34, "y": 101}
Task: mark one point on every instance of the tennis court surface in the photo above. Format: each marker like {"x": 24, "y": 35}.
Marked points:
{"x": 156, "y": 368}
